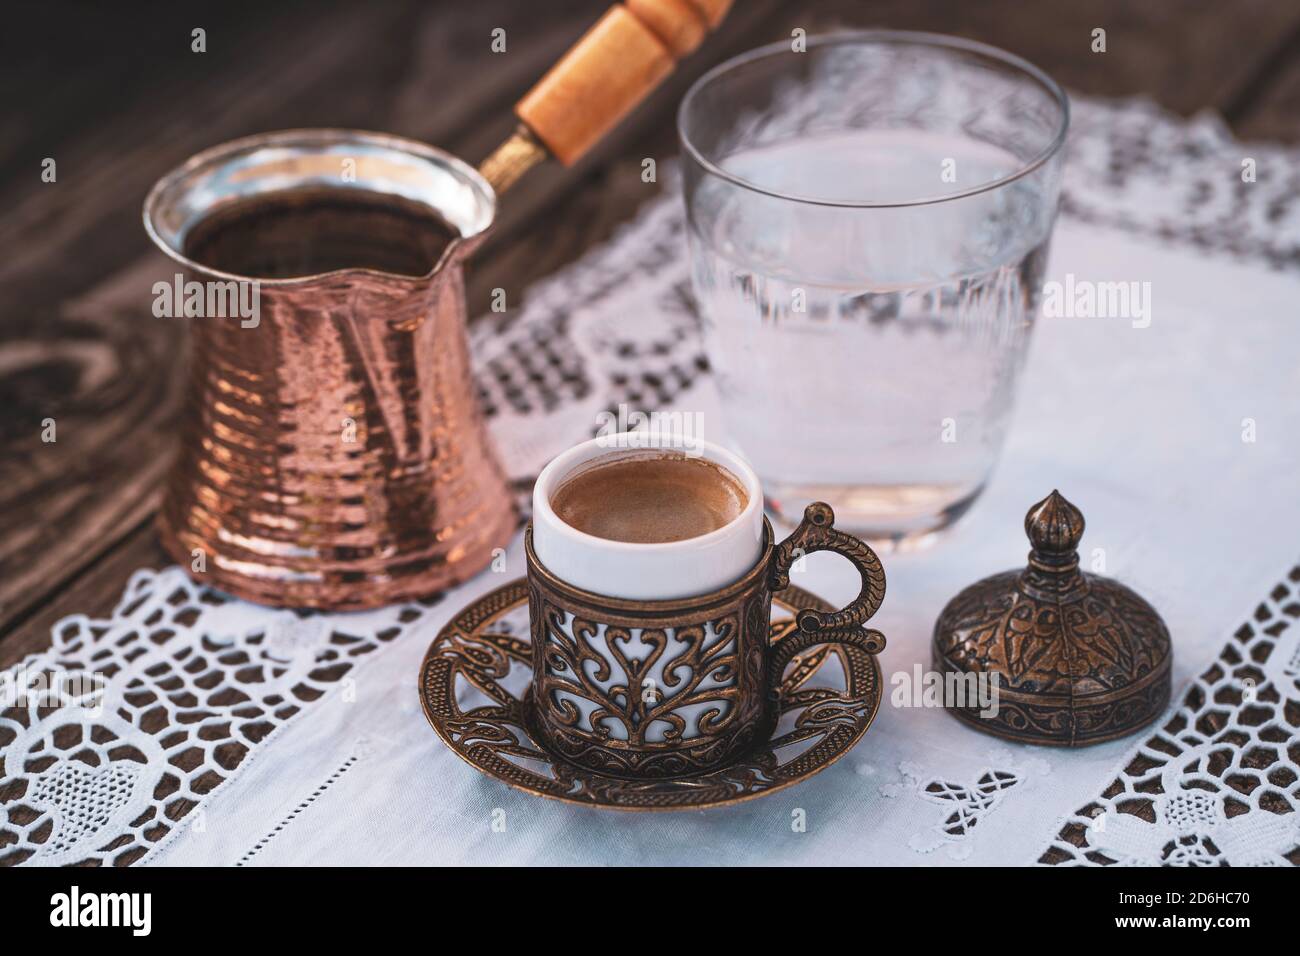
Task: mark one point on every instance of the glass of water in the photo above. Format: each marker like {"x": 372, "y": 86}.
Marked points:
{"x": 869, "y": 216}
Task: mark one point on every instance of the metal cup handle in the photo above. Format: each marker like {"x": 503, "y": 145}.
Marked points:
{"x": 816, "y": 532}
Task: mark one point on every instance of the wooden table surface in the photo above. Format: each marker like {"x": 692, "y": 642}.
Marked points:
{"x": 115, "y": 95}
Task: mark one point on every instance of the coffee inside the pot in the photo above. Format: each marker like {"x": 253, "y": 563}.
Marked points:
{"x": 649, "y": 497}
{"x": 306, "y": 232}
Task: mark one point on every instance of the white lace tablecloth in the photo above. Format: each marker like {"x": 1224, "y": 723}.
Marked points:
{"x": 235, "y": 734}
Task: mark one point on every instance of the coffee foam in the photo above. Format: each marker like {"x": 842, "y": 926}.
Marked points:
{"x": 649, "y": 497}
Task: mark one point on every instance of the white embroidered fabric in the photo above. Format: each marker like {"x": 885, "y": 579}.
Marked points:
{"x": 187, "y": 687}
{"x": 215, "y": 731}
{"x": 1217, "y": 782}
{"x": 960, "y": 805}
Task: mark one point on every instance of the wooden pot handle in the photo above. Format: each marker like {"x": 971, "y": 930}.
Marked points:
{"x": 613, "y": 68}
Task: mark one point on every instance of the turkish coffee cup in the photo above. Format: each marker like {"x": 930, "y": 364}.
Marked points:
{"x": 653, "y": 659}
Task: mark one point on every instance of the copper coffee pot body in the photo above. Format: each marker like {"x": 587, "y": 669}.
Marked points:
{"x": 332, "y": 455}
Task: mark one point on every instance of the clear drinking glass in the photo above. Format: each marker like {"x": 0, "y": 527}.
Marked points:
{"x": 868, "y": 223}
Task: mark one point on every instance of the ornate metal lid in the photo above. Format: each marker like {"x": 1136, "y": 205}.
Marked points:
{"x": 1077, "y": 658}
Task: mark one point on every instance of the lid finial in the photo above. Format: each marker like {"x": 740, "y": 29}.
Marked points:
{"x": 1054, "y": 527}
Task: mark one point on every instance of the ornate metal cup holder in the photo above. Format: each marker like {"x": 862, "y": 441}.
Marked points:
{"x": 474, "y": 689}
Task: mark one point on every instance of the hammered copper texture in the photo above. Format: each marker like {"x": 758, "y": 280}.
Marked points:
{"x": 335, "y": 455}
{"x": 819, "y": 723}
{"x": 332, "y": 453}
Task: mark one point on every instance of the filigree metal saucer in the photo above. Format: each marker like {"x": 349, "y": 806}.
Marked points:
{"x": 474, "y": 689}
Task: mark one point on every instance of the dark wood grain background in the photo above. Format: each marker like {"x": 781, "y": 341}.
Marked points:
{"x": 115, "y": 95}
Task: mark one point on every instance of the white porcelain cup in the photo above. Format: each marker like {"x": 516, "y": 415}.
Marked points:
{"x": 649, "y": 572}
